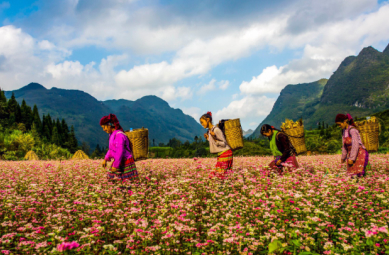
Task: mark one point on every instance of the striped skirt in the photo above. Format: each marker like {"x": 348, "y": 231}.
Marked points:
{"x": 126, "y": 171}
{"x": 223, "y": 165}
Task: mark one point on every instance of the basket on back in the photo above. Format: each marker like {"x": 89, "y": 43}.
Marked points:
{"x": 369, "y": 131}
{"x": 296, "y": 134}
{"x": 233, "y": 132}
{"x": 139, "y": 142}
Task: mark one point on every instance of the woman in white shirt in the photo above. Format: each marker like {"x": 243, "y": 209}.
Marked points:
{"x": 218, "y": 145}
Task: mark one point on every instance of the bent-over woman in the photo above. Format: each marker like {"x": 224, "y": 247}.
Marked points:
{"x": 280, "y": 147}
{"x": 218, "y": 145}
{"x": 123, "y": 167}
{"x": 353, "y": 150}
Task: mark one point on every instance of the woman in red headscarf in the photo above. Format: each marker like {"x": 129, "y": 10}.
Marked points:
{"x": 218, "y": 145}
{"x": 123, "y": 167}
{"x": 353, "y": 150}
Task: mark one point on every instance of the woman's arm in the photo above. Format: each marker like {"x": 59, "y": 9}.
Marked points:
{"x": 119, "y": 152}
{"x": 220, "y": 140}
{"x": 344, "y": 151}
{"x": 355, "y": 144}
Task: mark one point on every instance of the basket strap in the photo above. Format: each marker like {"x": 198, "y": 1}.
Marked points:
{"x": 129, "y": 150}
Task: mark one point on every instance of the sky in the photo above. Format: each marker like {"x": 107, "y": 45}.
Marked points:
{"x": 230, "y": 57}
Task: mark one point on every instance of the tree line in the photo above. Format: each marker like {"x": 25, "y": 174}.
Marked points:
{"x": 22, "y": 128}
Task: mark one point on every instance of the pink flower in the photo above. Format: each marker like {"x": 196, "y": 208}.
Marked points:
{"x": 377, "y": 244}
{"x": 67, "y": 246}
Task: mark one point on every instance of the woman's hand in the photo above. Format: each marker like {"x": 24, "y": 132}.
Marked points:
{"x": 212, "y": 133}
{"x": 104, "y": 164}
{"x": 206, "y": 136}
{"x": 113, "y": 169}
{"x": 342, "y": 161}
{"x": 278, "y": 162}
{"x": 350, "y": 162}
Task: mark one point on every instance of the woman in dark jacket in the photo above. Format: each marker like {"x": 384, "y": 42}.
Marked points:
{"x": 280, "y": 147}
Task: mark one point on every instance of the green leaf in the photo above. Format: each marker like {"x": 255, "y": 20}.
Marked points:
{"x": 305, "y": 253}
{"x": 296, "y": 243}
{"x": 369, "y": 242}
{"x": 273, "y": 246}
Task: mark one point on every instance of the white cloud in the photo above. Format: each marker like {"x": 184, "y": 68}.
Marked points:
{"x": 223, "y": 85}
{"x": 246, "y": 107}
{"x": 195, "y": 112}
{"x": 207, "y": 87}
{"x": 324, "y": 49}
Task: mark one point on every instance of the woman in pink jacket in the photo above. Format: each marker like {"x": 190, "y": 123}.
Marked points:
{"x": 123, "y": 166}
{"x": 354, "y": 152}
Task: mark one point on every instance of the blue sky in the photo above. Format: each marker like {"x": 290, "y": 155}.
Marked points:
{"x": 229, "y": 57}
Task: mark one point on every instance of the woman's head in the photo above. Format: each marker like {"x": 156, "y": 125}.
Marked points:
{"x": 267, "y": 130}
{"x": 206, "y": 120}
{"x": 343, "y": 120}
{"x": 110, "y": 123}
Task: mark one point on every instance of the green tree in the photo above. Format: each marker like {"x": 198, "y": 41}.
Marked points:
{"x": 12, "y": 104}
{"x": 36, "y": 119}
{"x": 35, "y": 134}
{"x": 3, "y": 109}
{"x": 73, "y": 143}
{"x": 26, "y": 115}
{"x": 55, "y": 137}
{"x": 97, "y": 153}
{"x": 86, "y": 148}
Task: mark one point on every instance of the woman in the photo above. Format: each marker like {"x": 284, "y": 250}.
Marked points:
{"x": 280, "y": 147}
{"x": 353, "y": 150}
{"x": 123, "y": 166}
{"x": 217, "y": 144}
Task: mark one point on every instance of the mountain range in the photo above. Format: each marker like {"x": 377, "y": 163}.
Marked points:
{"x": 360, "y": 86}
{"x": 83, "y": 111}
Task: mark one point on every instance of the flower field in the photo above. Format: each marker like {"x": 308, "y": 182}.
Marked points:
{"x": 52, "y": 207}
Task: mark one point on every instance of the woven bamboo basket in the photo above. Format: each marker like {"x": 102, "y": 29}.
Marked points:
{"x": 31, "y": 155}
{"x": 80, "y": 155}
{"x": 296, "y": 134}
{"x": 139, "y": 142}
{"x": 369, "y": 131}
{"x": 234, "y": 134}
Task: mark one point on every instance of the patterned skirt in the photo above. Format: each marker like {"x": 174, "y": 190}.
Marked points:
{"x": 223, "y": 165}
{"x": 360, "y": 164}
{"x": 291, "y": 161}
{"x": 126, "y": 171}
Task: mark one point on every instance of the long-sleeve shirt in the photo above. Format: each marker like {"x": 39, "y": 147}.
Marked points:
{"x": 356, "y": 142}
{"x": 119, "y": 148}
{"x": 218, "y": 145}
{"x": 283, "y": 145}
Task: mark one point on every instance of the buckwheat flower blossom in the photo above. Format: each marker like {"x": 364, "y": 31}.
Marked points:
{"x": 67, "y": 246}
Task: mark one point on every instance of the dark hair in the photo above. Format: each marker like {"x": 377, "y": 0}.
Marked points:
{"x": 267, "y": 128}
{"x": 342, "y": 117}
{"x": 208, "y": 115}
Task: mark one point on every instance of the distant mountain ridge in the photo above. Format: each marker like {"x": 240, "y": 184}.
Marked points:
{"x": 248, "y": 132}
{"x": 360, "y": 86}
{"x": 84, "y": 111}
